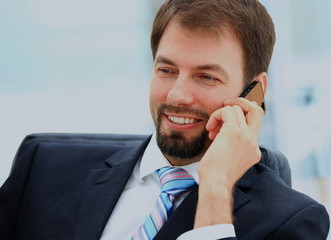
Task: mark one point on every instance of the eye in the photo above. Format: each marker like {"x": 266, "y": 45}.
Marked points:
{"x": 209, "y": 79}
{"x": 165, "y": 70}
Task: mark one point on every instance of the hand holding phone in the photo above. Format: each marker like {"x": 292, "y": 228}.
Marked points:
{"x": 234, "y": 130}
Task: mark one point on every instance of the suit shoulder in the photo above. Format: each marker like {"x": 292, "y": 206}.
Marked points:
{"x": 269, "y": 183}
{"x": 275, "y": 209}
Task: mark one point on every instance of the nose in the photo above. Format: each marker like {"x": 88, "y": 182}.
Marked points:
{"x": 182, "y": 91}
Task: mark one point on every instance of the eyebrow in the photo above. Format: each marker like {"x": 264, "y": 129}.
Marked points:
{"x": 161, "y": 59}
{"x": 211, "y": 67}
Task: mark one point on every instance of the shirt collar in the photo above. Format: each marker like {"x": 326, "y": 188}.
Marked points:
{"x": 153, "y": 159}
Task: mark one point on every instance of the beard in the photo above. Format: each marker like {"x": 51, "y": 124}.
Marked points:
{"x": 174, "y": 144}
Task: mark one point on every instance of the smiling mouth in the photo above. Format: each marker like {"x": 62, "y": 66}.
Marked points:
{"x": 182, "y": 120}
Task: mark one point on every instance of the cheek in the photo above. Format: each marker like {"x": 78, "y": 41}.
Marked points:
{"x": 157, "y": 96}
{"x": 157, "y": 91}
{"x": 213, "y": 101}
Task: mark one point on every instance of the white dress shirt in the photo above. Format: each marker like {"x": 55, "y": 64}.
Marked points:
{"x": 139, "y": 197}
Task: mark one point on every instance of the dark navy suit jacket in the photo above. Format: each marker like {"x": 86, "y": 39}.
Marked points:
{"x": 61, "y": 189}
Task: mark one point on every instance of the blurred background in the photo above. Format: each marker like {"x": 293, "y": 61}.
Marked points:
{"x": 84, "y": 66}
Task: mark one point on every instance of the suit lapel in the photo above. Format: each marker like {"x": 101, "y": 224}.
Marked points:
{"x": 182, "y": 220}
{"x": 103, "y": 189}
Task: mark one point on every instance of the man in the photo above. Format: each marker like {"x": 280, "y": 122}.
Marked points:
{"x": 205, "y": 53}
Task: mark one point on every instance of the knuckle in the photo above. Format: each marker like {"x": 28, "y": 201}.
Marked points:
{"x": 240, "y": 135}
{"x": 227, "y": 108}
{"x": 237, "y": 134}
{"x": 237, "y": 107}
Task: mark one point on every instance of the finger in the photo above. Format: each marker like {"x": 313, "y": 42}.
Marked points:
{"x": 212, "y": 134}
{"x": 225, "y": 115}
{"x": 240, "y": 116}
{"x": 254, "y": 119}
{"x": 253, "y": 112}
{"x": 222, "y": 115}
{"x": 214, "y": 125}
{"x": 245, "y": 104}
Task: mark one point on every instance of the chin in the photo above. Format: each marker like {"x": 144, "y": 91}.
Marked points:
{"x": 176, "y": 145}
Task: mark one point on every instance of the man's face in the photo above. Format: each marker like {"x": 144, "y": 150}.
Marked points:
{"x": 192, "y": 76}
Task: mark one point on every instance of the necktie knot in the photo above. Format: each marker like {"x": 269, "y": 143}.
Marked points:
{"x": 175, "y": 181}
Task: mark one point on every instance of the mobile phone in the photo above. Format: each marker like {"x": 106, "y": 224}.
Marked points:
{"x": 254, "y": 92}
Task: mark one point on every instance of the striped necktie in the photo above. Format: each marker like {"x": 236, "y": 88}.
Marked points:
{"x": 174, "y": 181}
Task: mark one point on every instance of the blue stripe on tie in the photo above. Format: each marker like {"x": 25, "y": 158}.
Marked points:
{"x": 150, "y": 228}
{"x": 174, "y": 182}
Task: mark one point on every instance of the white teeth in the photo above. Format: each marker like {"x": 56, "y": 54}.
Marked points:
{"x": 180, "y": 120}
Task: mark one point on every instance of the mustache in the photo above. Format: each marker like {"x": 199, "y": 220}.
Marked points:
{"x": 182, "y": 110}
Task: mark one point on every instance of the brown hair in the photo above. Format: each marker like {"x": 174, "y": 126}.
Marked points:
{"x": 248, "y": 19}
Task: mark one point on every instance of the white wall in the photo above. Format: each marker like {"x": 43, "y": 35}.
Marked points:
{"x": 72, "y": 66}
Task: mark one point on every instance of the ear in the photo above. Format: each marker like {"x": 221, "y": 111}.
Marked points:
{"x": 263, "y": 78}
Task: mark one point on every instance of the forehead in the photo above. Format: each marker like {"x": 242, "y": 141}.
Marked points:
{"x": 176, "y": 33}
{"x": 196, "y": 47}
